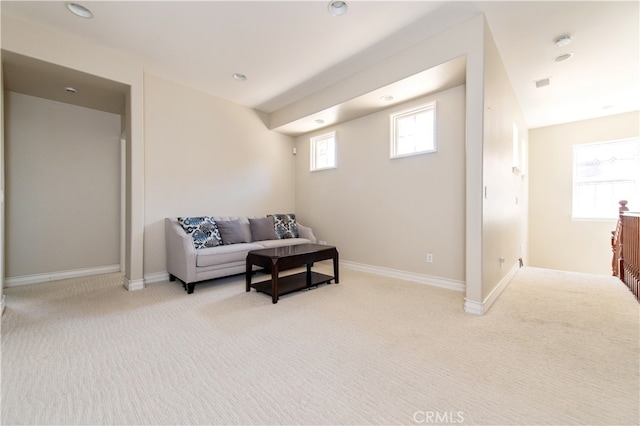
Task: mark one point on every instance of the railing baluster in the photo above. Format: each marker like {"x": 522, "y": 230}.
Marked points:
{"x": 625, "y": 244}
{"x": 616, "y": 244}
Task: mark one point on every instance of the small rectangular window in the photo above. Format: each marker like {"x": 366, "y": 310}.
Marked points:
{"x": 603, "y": 174}
{"x": 413, "y": 132}
{"x": 323, "y": 152}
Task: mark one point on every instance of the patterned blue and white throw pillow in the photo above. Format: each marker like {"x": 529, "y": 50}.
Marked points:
{"x": 293, "y": 226}
{"x": 203, "y": 230}
{"x": 286, "y": 226}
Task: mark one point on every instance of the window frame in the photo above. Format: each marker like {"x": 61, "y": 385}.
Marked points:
{"x": 393, "y": 119}
{"x": 579, "y": 215}
{"x": 313, "y": 141}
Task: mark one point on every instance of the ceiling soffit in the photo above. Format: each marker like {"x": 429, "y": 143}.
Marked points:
{"x": 33, "y": 77}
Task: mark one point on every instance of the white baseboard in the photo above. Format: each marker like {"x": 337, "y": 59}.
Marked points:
{"x": 481, "y": 308}
{"x": 156, "y": 277}
{"x": 408, "y": 276}
{"x": 60, "y": 275}
{"x": 133, "y": 285}
{"x": 475, "y": 308}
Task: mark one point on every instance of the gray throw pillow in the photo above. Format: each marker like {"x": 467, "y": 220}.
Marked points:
{"x": 231, "y": 232}
{"x": 262, "y": 229}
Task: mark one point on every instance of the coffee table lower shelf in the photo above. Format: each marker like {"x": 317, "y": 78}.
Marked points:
{"x": 291, "y": 283}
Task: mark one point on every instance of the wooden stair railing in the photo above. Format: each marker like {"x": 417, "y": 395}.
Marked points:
{"x": 615, "y": 239}
{"x": 625, "y": 244}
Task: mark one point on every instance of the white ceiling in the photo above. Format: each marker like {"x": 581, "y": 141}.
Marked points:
{"x": 291, "y": 49}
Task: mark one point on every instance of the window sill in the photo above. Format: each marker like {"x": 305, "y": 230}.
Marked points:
{"x": 323, "y": 168}
{"x": 411, "y": 154}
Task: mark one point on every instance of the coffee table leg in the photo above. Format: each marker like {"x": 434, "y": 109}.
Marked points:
{"x": 336, "y": 268}
{"x": 274, "y": 283}
{"x": 248, "y": 275}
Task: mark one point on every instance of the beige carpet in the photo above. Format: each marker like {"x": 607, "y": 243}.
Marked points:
{"x": 556, "y": 348}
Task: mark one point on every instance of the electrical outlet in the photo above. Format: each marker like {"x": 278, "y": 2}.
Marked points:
{"x": 322, "y": 243}
{"x": 502, "y": 260}
{"x": 429, "y": 257}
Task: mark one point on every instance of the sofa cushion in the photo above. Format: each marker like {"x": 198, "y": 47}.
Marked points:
{"x": 262, "y": 228}
{"x": 284, "y": 242}
{"x": 203, "y": 230}
{"x": 231, "y": 232}
{"x": 225, "y": 254}
{"x": 285, "y": 225}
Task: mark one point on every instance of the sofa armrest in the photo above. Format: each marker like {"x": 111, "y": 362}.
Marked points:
{"x": 181, "y": 253}
{"x": 306, "y": 232}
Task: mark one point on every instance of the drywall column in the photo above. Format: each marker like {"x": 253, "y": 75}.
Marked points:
{"x": 134, "y": 244}
{"x": 1, "y": 189}
{"x": 474, "y": 161}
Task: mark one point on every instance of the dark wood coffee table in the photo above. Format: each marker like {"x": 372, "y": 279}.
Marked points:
{"x": 280, "y": 258}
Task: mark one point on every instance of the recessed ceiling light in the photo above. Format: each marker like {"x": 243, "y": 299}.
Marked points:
{"x": 562, "y": 57}
{"x": 71, "y": 90}
{"x": 239, "y": 77}
{"x": 79, "y": 10}
{"x": 563, "y": 40}
{"x": 386, "y": 98}
{"x": 337, "y": 7}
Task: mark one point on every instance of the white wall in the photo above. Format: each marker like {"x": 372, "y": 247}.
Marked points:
{"x": 505, "y": 196}
{"x": 62, "y": 187}
{"x": 557, "y": 241}
{"x": 391, "y": 213}
{"x": 208, "y": 156}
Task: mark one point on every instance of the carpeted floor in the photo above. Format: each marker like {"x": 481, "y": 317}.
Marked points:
{"x": 556, "y": 348}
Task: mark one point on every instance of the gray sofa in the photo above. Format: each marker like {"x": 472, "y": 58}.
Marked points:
{"x": 191, "y": 265}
